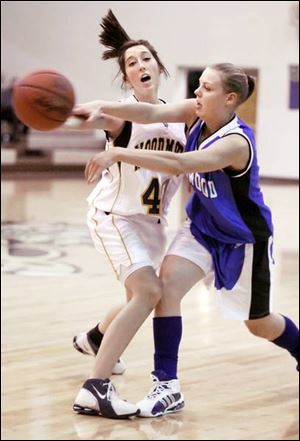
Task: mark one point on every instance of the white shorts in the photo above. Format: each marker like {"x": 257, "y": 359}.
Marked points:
{"x": 129, "y": 242}
{"x": 251, "y": 296}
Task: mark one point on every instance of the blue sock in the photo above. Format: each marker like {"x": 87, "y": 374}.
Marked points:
{"x": 167, "y": 332}
{"x": 289, "y": 339}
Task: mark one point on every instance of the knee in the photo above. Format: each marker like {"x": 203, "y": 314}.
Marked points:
{"x": 154, "y": 294}
{"x": 170, "y": 283}
{"x": 171, "y": 291}
{"x": 259, "y": 327}
{"x": 253, "y": 328}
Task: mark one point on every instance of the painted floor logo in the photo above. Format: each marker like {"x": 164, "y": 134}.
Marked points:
{"x": 40, "y": 249}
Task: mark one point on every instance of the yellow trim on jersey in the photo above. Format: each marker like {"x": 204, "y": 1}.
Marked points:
{"x": 102, "y": 243}
{"x": 119, "y": 187}
{"x": 113, "y": 222}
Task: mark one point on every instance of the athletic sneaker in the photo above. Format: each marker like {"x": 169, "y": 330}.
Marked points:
{"x": 99, "y": 397}
{"x": 83, "y": 343}
{"x": 164, "y": 397}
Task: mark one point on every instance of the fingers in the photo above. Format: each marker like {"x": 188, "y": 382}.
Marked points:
{"x": 93, "y": 176}
{"x": 90, "y": 113}
{"x": 78, "y": 107}
{"x": 96, "y": 165}
{"x": 80, "y": 111}
{"x": 94, "y": 116}
{"x": 87, "y": 170}
{"x": 74, "y": 122}
{"x": 80, "y": 121}
{"x": 92, "y": 171}
{"x": 87, "y": 108}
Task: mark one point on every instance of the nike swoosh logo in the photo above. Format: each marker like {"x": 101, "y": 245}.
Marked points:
{"x": 102, "y": 397}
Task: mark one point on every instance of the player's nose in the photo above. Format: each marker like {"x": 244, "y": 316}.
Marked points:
{"x": 197, "y": 91}
{"x": 141, "y": 65}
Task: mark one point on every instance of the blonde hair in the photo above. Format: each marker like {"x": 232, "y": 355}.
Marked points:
{"x": 234, "y": 79}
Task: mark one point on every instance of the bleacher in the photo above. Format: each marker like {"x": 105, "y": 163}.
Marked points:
{"x": 60, "y": 149}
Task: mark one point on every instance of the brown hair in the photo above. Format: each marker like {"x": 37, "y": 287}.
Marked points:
{"x": 115, "y": 38}
{"x": 234, "y": 79}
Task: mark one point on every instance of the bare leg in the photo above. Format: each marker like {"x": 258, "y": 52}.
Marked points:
{"x": 112, "y": 313}
{"x": 146, "y": 291}
{"x": 278, "y": 329}
{"x": 269, "y": 327}
{"x": 173, "y": 269}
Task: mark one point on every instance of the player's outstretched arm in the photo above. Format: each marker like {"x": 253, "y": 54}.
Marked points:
{"x": 145, "y": 113}
{"x": 230, "y": 151}
{"x": 82, "y": 118}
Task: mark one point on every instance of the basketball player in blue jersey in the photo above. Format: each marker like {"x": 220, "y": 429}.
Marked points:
{"x": 228, "y": 234}
{"x": 127, "y": 209}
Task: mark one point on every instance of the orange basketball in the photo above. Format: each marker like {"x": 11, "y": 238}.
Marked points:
{"x": 43, "y": 99}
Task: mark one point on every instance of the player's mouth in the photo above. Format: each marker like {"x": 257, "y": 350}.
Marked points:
{"x": 145, "y": 78}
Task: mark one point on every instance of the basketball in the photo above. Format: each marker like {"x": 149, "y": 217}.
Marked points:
{"x": 43, "y": 99}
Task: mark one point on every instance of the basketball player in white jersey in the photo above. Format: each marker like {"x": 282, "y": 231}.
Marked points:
{"x": 127, "y": 210}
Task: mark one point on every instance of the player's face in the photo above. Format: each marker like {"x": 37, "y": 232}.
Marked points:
{"x": 142, "y": 70}
{"x": 211, "y": 99}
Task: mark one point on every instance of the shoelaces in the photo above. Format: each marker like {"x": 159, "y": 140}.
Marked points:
{"x": 157, "y": 388}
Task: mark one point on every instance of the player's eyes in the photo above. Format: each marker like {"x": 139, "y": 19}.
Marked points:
{"x": 203, "y": 86}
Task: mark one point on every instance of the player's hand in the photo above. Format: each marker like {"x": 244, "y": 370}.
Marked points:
{"x": 77, "y": 123}
{"x": 85, "y": 116}
{"x": 87, "y": 109}
{"x": 96, "y": 165}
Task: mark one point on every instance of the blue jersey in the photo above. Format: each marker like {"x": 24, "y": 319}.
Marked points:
{"x": 227, "y": 208}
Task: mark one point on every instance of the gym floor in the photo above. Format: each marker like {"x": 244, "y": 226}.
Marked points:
{"x": 236, "y": 386}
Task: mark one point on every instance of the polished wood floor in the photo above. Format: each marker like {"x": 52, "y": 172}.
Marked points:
{"x": 236, "y": 386}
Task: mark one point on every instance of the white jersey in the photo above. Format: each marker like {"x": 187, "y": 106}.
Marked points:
{"x": 128, "y": 190}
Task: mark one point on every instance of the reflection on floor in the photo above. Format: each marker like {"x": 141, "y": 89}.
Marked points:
{"x": 41, "y": 249}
